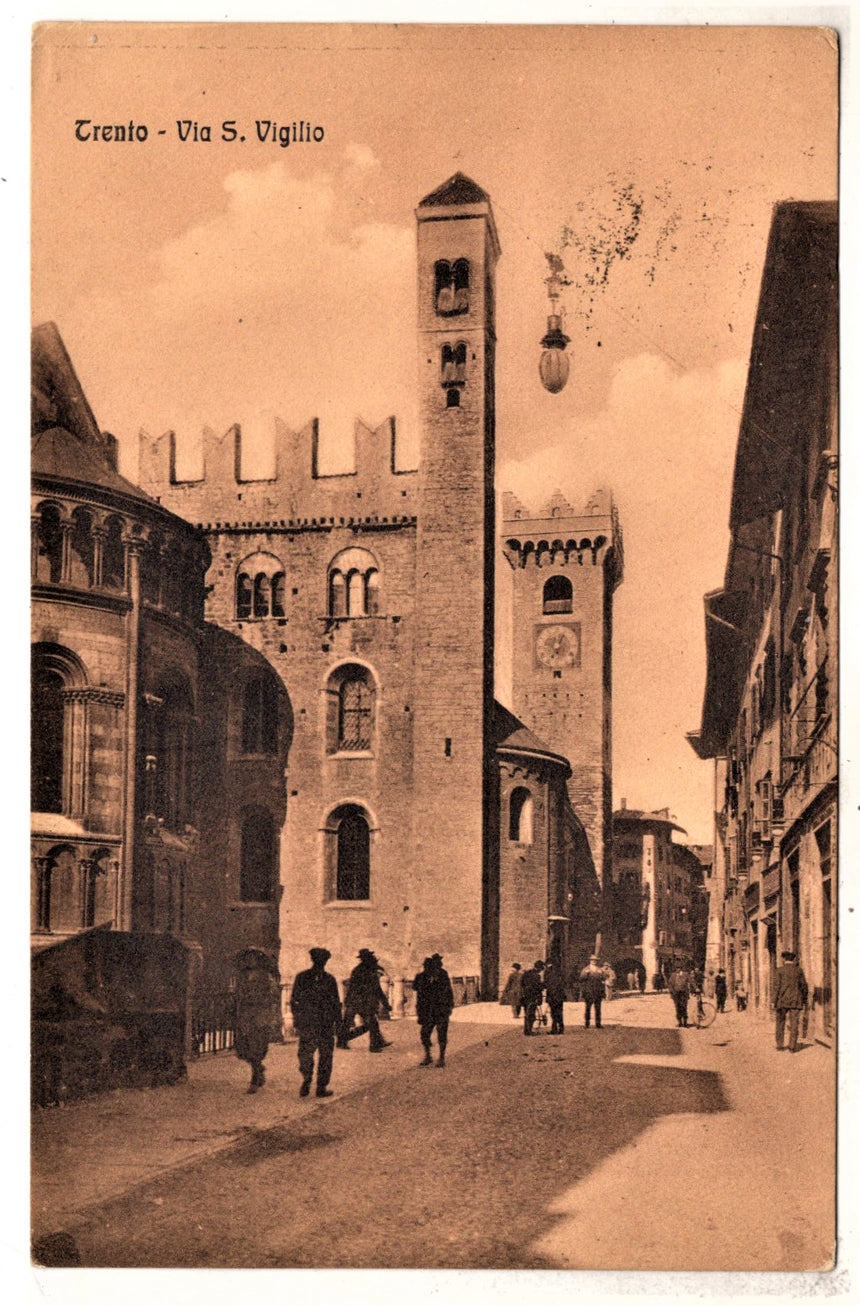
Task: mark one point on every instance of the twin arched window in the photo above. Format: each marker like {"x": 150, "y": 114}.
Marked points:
{"x": 451, "y": 287}
{"x": 353, "y": 584}
{"x": 521, "y": 828}
{"x": 558, "y": 595}
{"x": 260, "y": 588}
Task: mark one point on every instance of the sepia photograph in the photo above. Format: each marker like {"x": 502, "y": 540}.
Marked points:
{"x": 434, "y": 645}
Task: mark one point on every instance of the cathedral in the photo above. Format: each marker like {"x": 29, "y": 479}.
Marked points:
{"x": 264, "y": 710}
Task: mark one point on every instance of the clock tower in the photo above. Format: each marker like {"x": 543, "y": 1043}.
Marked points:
{"x": 561, "y": 570}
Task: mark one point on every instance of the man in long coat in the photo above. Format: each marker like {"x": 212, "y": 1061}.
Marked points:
{"x": 790, "y": 994}
{"x": 315, "y": 1004}
{"x": 257, "y": 1010}
{"x": 592, "y": 979}
{"x": 555, "y": 996}
{"x": 532, "y": 992}
{"x": 434, "y": 1002}
{"x": 364, "y": 997}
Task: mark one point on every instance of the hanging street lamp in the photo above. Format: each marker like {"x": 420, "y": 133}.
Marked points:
{"x": 554, "y": 363}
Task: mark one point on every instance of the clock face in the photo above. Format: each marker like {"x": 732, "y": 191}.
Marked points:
{"x": 557, "y": 646}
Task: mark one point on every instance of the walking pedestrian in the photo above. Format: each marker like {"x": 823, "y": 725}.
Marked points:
{"x": 790, "y": 994}
{"x": 741, "y": 996}
{"x": 512, "y": 992}
{"x": 554, "y": 985}
{"x": 680, "y": 986}
{"x": 434, "y": 1002}
{"x": 315, "y": 1004}
{"x": 721, "y": 988}
{"x": 592, "y": 979}
{"x": 532, "y": 992}
{"x": 364, "y": 997}
{"x": 258, "y": 994}
{"x": 608, "y": 982}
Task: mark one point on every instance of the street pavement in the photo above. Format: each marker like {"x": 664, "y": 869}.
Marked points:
{"x": 639, "y": 1146}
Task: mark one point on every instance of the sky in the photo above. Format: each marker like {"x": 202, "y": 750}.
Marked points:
{"x": 210, "y": 282}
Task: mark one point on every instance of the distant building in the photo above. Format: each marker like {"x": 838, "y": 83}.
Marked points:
{"x": 769, "y": 713}
{"x": 659, "y": 902}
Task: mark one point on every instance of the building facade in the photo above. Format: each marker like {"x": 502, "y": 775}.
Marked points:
{"x": 769, "y": 713}
{"x": 299, "y": 679}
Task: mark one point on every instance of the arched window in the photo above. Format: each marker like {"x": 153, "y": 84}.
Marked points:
{"x": 350, "y": 710}
{"x": 451, "y": 287}
{"x": 49, "y": 552}
{"x": 258, "y": 860}
{"x": 348, "y": 838}
{"x": 355, "y": 717}
{"x": 260, "y": 587}
{"x": 82, "y": 552}
{"x": 278, "y": 594}
{"x": 150, "y": 569}
{"x": 260, "y": 715}
{"x": 55, "y": 889}
{"x": 262, "y": 592}
{"x": 558, "y": 595}
{"x": 244, "y": 596}
{"x": 454, "y": 364}
{"x": 167, "y": 721}
{"x": 521, "y": 828}
{"x": 48, "y": 722}
{"x": 353, "y": 584}
{"x": 113, "y": 556}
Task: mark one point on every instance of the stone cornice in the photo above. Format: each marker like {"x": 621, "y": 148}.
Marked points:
{"x": 57, "y": 593}
{"x": 94, "y": 694}
{"x": 306, "y": 524}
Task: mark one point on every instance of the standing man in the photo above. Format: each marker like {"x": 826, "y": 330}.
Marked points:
{"x": 720, "y": 989}
{"x": 555, "y": 996}
{"x": 258, "y": 993}
{"x": 512, "y": 992}
{"x": 679, "y": 987}
{"x": 591, "y": 981}
{"x": 434, "y": 1000}
{"x": 532, "y": 992}
{"x": 315, "y": 1004}
{"x": 364, "y": 997}
{"x": 790, "y": 994}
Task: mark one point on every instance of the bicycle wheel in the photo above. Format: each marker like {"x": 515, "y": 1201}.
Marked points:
{"x": 706, "y": 1014}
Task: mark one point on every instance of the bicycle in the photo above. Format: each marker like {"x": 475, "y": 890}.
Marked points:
{"x": 706, "y": 1011}
{"x": 541, "y": 1017}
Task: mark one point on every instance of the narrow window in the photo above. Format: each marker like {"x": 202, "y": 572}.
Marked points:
{"x": 278, "y": 594}
{"x": 353, "y": 856}
{"x": 521, "y": 816}
{"x": 46, "y": 763}
{"x": 558, "y": 595}
{"x": 244, "y": 596}
{"x": 260, "y": 716}
{"x": 355, "y": 594}
{"x": 262, "y": 588}
{"x": 355, "y": 719}
{"x": 337, "y": 594}
{"x": 113, "y": 558}
{"x": 257, "y": 867}
{"x": 371, "y": 593}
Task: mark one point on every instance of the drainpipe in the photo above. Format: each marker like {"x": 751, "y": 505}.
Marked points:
{"x": 124, "y": 896}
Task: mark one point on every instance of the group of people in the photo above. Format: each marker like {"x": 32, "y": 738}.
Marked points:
{"x": 320, "y": 1021}
{"x": 524, "y": 992}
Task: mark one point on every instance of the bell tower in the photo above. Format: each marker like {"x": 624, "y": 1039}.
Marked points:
{"x": 457, "y": 252}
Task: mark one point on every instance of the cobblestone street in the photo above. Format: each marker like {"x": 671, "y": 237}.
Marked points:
{"x": 573, "y": 1152}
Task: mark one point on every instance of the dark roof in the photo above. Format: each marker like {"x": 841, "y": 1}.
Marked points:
{"x": 55, "y": 454}
{"x": 793, "y": 353}
{"x": 458, "y": 189}
{"x": 646, "y": 818}
{"x": 511, "y": 736}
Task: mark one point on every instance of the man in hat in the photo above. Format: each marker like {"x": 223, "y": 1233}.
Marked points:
{"x": 434, "y": 1002}
{"x": 555, "y": 994}
{"x": 258, "y": 994}
{"x": 591, "y": 982}
{"x": 790, "y": 994}
{"x": 680, "y": 987}
{"x": 532, "y": 992}
{"x": 315, "y": 1004}
{"x": 512, "y": 993}
{"x": 364, "y": 997}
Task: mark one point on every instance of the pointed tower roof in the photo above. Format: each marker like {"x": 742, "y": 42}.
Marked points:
{"x": 458, "y": 189}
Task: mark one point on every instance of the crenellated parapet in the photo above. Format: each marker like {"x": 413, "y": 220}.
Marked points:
{"x": 558, "y": 533}
{"x": 298, "y": 490}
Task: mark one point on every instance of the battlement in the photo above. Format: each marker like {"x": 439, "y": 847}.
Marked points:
{"x": 298, "y": 490}
{"x": 559, "y": 531}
